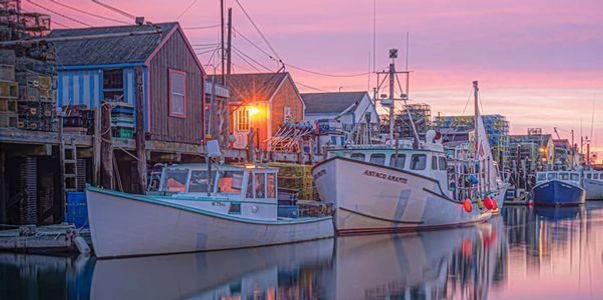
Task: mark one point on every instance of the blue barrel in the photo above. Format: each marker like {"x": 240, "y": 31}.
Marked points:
{"x": 77, "y": 209}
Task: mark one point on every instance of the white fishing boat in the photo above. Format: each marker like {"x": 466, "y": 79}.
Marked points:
{"x": 197, "y": 210}
{"x": 404, "y": 185}
{"x": 592, "y": 182}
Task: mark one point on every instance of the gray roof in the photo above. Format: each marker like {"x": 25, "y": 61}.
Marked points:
{"x": 335, "y": 102}
{"x": 108, "y": 50}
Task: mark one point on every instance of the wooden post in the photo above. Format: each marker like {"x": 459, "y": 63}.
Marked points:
{"x": 96, "y": 147}
{"x": 140, "y": 134}
{"x": 3, "y": 197}
{"x": 229, "y": 41}
{"x": 106, "y": 147}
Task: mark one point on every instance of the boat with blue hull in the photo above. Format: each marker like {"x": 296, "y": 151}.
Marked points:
{"x": 558, "y": 188}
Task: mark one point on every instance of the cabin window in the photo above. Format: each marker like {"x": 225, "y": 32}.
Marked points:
{"x": 418, "y": 161}
{"x": 333, "y": 140}
{"x": 541, "y": 177}
{"x": 199, "y": 182}
{"x": 443, "y": 163}
{"x": 397, "y": 161}
{"x": 230, "y": 182}
{"x": 242, "y": 119}
{"x": 177, "y": 86}
{"x": 234, "y": 208}
{"x": 563, "y": 176}
{"x": 260, "y": 185}
{"x": 596, "y": 176}
{"x": 357, "y": 156}
{"x": 175, "y": 180}
{"x": 434, "y": 163}
{"x": 250, "y": 186}
{"x": 113, "y": 84}
{"x": 377, "y": 158}
{"x": 342, "y": 140}
{"x": 575, "y": 177}
{"x": 589, "y": 176}
{"x": 271, "y": 185}
{"x": 551, "y": 176}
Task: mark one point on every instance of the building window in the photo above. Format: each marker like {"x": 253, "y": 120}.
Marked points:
{"x": 287, "y": 114}
{"x": 177, "y": 87}
{"x": 242, "y": 119}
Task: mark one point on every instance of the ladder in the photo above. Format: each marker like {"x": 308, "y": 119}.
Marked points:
{"x": 68, "y": 153}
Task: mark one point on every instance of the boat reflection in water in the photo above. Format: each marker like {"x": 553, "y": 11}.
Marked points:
{"x": 554, "y": 253}
{"x": 455, "y": 264}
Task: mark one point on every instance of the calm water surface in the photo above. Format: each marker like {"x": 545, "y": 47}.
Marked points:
{"x": 527, "y": 253}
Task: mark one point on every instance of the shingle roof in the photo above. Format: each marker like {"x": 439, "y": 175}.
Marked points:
{"x": 108, "y": 50}
{"x": 335, "y": 102}
{"x": 252, "y": 87}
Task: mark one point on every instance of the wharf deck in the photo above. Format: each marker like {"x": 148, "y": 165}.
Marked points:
{"x": 51, "y": 238}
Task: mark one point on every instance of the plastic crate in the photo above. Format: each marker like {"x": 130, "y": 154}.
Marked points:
{"x": 77, "y": 209}
{"x": 127, "y": 133}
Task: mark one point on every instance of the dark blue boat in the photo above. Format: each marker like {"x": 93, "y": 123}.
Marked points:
{"x": 558, "y": 188}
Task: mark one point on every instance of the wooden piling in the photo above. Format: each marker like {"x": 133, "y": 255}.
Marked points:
{"x": 140, "y": 135}
{"x": 106, "y": 147}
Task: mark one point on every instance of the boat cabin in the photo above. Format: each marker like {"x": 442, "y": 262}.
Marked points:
{"x": 565, "y": 176}
{"x": 432, "y": 164}
{"x": 594, "y": 175}
{"x": 245, "y": 191}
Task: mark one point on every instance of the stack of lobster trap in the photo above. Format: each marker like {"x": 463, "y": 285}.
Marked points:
{"x": 27, "y": 70}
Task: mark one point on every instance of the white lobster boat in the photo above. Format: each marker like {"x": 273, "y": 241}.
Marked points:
{"x": 240, "y": 210}
{"x": 381, "y": 189}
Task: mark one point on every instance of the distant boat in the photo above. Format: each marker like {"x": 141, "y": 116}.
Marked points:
{"x": 240, "y": 210}
{"x": 558, "y": 188}
{"x": 592, "y": 182}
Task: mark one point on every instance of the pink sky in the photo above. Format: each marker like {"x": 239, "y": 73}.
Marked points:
{"x": 539, "y": 62}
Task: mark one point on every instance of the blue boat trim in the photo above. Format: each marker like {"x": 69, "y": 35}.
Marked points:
{"x": 146, "y": 199}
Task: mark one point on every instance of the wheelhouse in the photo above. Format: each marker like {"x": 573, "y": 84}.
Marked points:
{"x": 244, "y": 182}
{"x": 566, "y": 176}
{"x": 594, "y": 175}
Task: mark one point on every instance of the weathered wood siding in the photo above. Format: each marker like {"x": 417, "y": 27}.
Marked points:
{"x": 286, "y": 96}
{"x": 175, "y": 55}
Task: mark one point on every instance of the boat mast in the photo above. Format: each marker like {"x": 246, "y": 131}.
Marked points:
{"x": 476, "y": 137}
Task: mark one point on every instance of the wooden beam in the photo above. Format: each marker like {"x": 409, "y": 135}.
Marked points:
{"x": 3, "y": 194}
{"x": 33, "y": 150}
{"x": 96, "y": 147}
{"x": 140, "y": 134}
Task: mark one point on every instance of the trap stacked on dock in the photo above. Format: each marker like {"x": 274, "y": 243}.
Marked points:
{"x": 9, "y": 89}
{"x": 296, "y": 177}
{"x": 78, "y": 119}
{"x": 122, "y": 120}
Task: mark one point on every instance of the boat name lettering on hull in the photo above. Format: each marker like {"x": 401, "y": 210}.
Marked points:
{"x": 384, "y": 176}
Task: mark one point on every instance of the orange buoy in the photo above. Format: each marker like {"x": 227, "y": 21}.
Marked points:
{"x": 467, "y": 205}
{"x": 494, "y": 204}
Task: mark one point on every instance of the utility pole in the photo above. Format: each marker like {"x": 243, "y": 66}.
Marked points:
{"x": 222, "y": 39}
{"x": 141, "y": 152}
{"x": 228, "y": 54}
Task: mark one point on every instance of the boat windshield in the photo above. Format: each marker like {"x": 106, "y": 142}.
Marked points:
{"x": 397, "y": 161}
{"x": 575, "y": 177}
{"x": 541, "y": 177}
{"x": 563, "y": 176}
{"x": 199, "y": 181}
{"x": 230, "y": 182}
{"x": 377, "y": 158}
{"x": 174, "y": 180}
{"x": 596, "y": 176}
{"x": 357, "y": 156}
{"x": 551, "y": 176}
{"x": 418, "y": 162}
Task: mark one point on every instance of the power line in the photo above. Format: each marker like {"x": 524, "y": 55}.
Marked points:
{"x": 250, "y": 64}
{"x": 58, "y": 13}
{"x": 201, "y": 27}
{"x": 254, "y": 44}
{"x": 325, "y": 74}
{"x": 255, "y": 61}
{"x": 310, "y": 87}
{"x": 115, "y": 9}
{"x": 258, "y": 30}
{"x": 186, "y": 9}
{"x": 89, "y": 13}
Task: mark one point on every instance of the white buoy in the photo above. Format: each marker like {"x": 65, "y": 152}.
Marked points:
{"x": 81, "y": 245}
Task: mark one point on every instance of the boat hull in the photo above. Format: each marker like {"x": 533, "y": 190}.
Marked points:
{"x": 129, "y": 225}
{"x": 370, "y": 198}
{"x": 557, "y": 193}
{"x": 594, "y": 189}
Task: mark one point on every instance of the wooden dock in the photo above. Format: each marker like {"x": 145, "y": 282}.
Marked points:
{"x": 45, "y": 239}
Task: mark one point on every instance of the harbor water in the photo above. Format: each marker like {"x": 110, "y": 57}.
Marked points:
{"x": 526, "y": 253}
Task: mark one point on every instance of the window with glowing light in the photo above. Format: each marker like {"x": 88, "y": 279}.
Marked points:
{"x": 242, "y": 119}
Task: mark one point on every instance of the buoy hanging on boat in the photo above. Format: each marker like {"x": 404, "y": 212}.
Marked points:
{"x": 480, "y": 204}
{"x": 494, "y": 204}
{"x": 489, "y": 203}
{"x": 467, "y": 205}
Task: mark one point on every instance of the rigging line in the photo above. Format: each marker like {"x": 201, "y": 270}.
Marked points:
{"x": 201, "y": 27}
{"x": 258, "y": 30}
{"x": 186, "y": 9}
{"x": 59, "y": 23}
{"x": 204, "y": 51}
{"x": 243, "y": 59}
{"x": 89, "y": 13}
{"x": 310, "y": 87}
{"x": 59, "y": 14}
{"x": 115, "y": 9}
{"x": 254, "y": 44}
{"x": 250, "y": 58}
{"x": 325, "y": 74}
{"x": 212, "y": 56}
